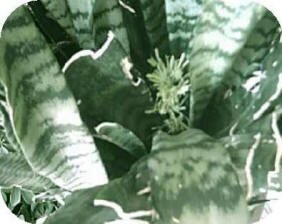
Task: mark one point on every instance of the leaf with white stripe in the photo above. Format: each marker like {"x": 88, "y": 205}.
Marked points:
{"x": 106, "y": 91}
{"x": 252, "y": 134}
{"x": 187, "y": 177}
{"x": 246, "y": 73}
{"x": 140, "y": 46}
{"x": 116, "y": 202}
{"x": 108, "y": 16}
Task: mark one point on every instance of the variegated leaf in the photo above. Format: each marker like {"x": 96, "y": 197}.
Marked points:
{"x": 252, "y": 128}
{"x": 75, "y": 17}
{"x": 82, "y": 17}
{"x": 188, "y": 176}
{"x": 259, "y": 42}
{"x": 60, "y": 12}
{"x": 108, "y": 16}
{"x": 15, "y": 171}
{"x": 46, "y": 119}
{"x": 182, "y": 18}
{"x": 192, "y": 178}
{"x": 222, "y": 31}
{"x": 246, "y": 74}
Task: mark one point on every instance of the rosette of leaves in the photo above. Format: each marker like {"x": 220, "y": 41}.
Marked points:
{"x": 143, "y": 111}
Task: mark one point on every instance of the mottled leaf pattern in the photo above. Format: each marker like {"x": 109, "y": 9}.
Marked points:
{"x": 250, "y": 124}
{"x": 76, "y": 17}
{"x": 179, "y": 180}
{"x": 59, "y": 11}
{"x": 36, "y": 92}
{"x": 219, "y": 36}
{"x": 82, "y": 18}
{"x": 246, "y": 69}
{"x": 188, "y": 189}
{"x": 255, "y": 49}
{"x": 182, "y": 17}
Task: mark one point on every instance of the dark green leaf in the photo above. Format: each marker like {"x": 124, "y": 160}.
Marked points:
{"x": 121, "y": 137}
{"x": 105, "y": 92}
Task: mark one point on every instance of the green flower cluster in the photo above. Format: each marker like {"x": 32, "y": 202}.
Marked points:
{"x": 170, "y": 80}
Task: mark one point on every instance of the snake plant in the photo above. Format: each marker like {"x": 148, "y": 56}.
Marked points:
{"x": 139, "y": 111}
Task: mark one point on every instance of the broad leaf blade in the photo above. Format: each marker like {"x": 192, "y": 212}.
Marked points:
{"x": 14, "y": 170}
{"x": 192, "y": 177}
{"x": 40, "y": 101}
{"x": 218, "y": 39}
{"x": 187, "y": 177}
{"x": 106, "y": 94}
{"x": 251, "y": 128}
